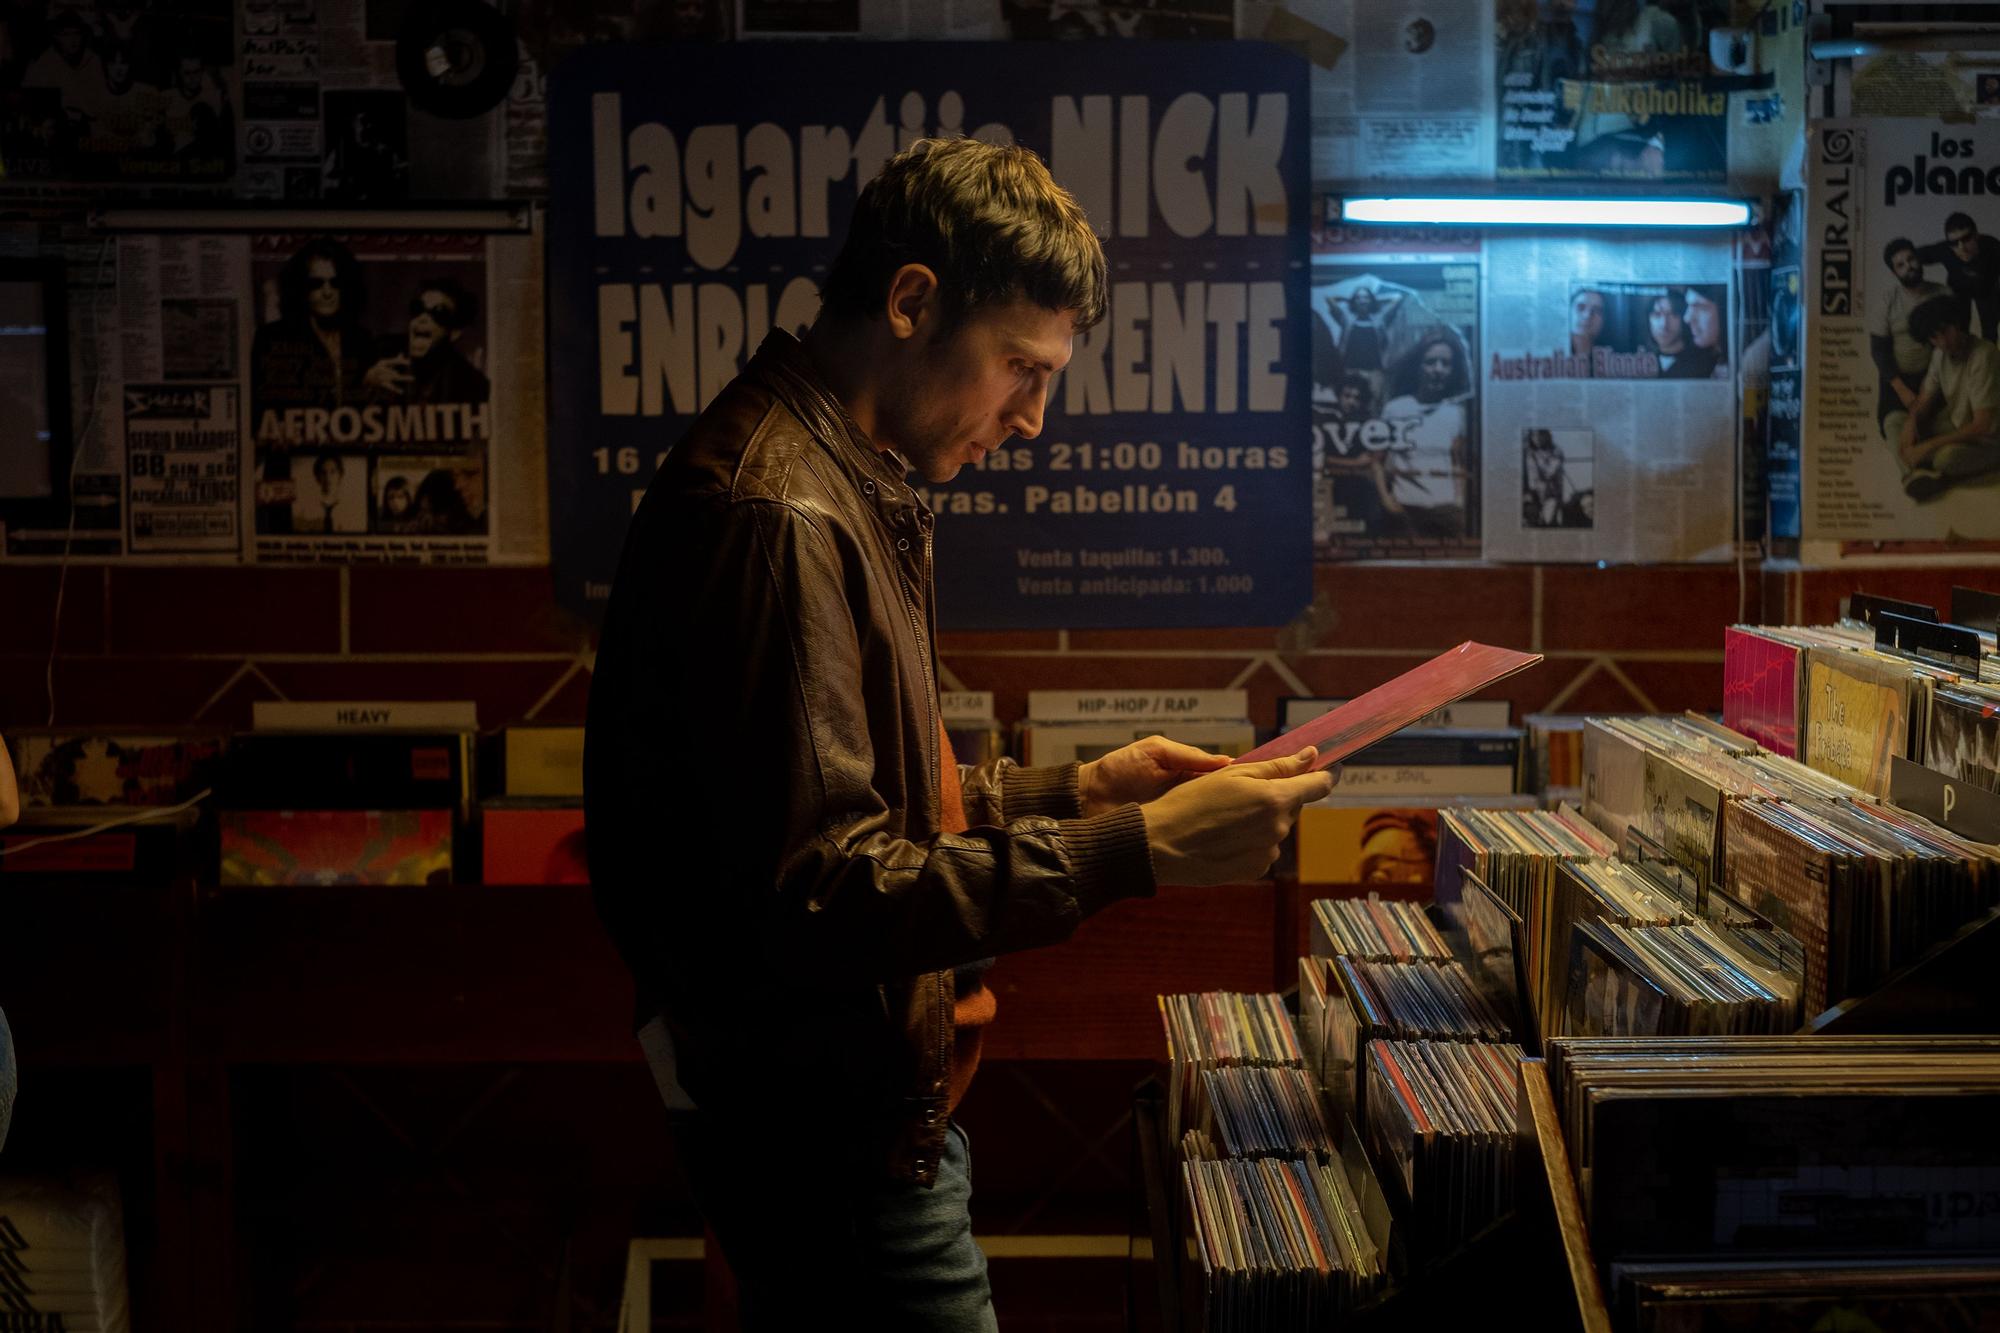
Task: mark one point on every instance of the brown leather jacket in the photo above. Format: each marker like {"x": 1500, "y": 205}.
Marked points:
{"x": 761, "y": 777}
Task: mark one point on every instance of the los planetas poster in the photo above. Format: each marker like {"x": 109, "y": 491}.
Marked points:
{"x": 1902, "y": 438}
{"x": 700, "y": 196}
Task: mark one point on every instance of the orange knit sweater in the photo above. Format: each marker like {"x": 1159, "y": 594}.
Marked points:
{"x": 974, "y": 1009}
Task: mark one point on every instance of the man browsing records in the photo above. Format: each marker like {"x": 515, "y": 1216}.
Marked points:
{"x": 1952, "y": 433}
{"x": 804, "y": 882}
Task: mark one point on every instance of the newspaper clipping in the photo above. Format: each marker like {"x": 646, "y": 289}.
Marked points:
{"x": 1953, "y": 86}
{"x": 1611, "y": 417}
{"x": 371, "y": 410}
{"x": 1611, "y": 91}
{"x": 1399, "y": 92}
{"x": 1395, "y": 447}
{"x": 180, "y": 303}
{"x": 1903, "y": 424}
{"x": 183, "y": 452}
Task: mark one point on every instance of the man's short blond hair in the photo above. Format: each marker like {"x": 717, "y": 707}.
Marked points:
{"x": 988, "y": 219}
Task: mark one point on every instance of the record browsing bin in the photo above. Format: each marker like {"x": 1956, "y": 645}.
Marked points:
{"x": 1683, "y": 942}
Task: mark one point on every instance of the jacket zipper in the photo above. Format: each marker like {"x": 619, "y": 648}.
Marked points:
{"x": 935, "y": 762}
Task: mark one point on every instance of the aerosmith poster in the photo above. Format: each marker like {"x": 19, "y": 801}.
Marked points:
{"x": 370, "y": 408}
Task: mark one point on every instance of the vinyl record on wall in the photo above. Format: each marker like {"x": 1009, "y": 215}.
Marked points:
{"x": 456, "y": 58}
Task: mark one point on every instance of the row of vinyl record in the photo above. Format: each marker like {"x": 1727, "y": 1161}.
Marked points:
{"x": 1866, "y": 886}
{"x": 1787, "y": 1183}
{"x": 1769, "y": 1182}
{"x": 1575, "y": 942}
{"x": 504, "y": 844}
{"x": 426, "y": 767}
{"x": 1853, "y": 698}
{"x": 364, "y": 806}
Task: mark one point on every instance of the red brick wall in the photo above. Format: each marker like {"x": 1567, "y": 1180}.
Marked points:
{"x": 164, "y": 646}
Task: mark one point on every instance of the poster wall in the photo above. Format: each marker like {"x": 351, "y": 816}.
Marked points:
{"x": 1395, "y": 346}
{"x": 697, "y": 200}
{"x": 1611, "y": 412}
{"x": 371, "y": 412}
{"x": 1902, "y": 438}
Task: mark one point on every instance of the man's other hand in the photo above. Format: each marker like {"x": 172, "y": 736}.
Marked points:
{"x": 1142, "y": 771}
{"x": 1225, "y": 827}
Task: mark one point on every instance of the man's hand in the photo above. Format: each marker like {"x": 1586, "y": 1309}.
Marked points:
{"x": 1905, "y": 393}
{"x": 1142, "y": 771}
{"x": 1917, "y": 452}
{"x": 1225, "y": 827}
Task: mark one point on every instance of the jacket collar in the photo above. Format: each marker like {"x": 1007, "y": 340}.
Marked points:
{"x": 879, "y": 475}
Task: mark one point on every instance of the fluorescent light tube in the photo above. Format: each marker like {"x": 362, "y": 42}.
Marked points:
{"x": 502, "y": 217}
{"x": 1474, "y": 211}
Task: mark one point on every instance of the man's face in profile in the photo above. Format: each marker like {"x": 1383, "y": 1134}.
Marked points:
{"x": 961, "y": 395}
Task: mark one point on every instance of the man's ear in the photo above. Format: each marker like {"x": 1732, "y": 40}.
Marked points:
{"x": 913, "y": 300}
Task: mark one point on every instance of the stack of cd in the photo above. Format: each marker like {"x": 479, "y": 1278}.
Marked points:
{"x": 1405, "y": 1001}
{"x": 1441, "y": 1124}
{"x": 1378, "y": 931}
{"x": 1279, "y": 1244}
{"x": 1513, "y": 851}
{"x": 1261, "y": 1112}
{"x": 1220, "y": 1030}
{"x": 1410, "y": 1000}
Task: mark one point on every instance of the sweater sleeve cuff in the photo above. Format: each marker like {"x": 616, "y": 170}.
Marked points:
{"x": 1109, "y": 857}
{"x": 1054, "y": 792}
